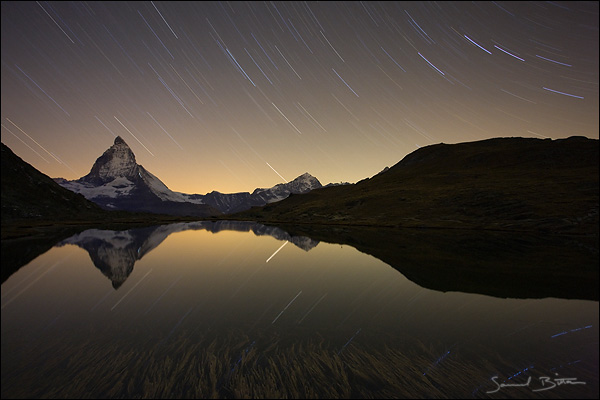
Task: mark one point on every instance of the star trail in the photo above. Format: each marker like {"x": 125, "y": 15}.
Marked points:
{"x": 231, "y": 96}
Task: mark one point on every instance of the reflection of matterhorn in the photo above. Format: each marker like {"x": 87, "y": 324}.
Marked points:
{"x": 115, "y": 252}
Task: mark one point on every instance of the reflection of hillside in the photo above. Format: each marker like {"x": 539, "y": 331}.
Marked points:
{"x": 492, "y": 263}
{"x": 115, "y": 252}
{"x": 303, "y": 242}
{"x": 19, "y": 251}
{"x": 472, "y": 261}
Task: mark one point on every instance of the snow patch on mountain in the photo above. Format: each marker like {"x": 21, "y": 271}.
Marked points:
{"x": 120, "y": 186}
{"x": 161, "y": 190}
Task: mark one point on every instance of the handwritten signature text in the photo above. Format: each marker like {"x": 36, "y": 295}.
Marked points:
{"x": 545, "y": 382}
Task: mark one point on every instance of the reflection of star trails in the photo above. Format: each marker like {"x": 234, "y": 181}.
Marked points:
{"x": 134, "y": 286}
{"x": 102, "y": 299}
{"x": 180, "y": 321}
{"x": 312, "y": 308}
{"x": 28, "y": 286}
{"x": 162, "y": 295}
{"x": 572, "y": 330}
{"x": 348, "y": 342}
{"x": 286, "y": 307}
{"x": 277, "y": 250}
{"x": 443, "y": 356}
{"x": 260, "y": 318}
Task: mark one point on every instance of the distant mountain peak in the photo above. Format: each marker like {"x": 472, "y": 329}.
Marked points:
{"x": 306, "y": 177}
{"x": 302, "y": 184}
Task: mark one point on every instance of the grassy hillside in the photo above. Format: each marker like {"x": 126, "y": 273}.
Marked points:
{"x": 514, "y": 184}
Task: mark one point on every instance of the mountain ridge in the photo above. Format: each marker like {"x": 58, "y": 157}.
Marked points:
{"x": 116, "y": 181}
{"x": 507, "y": 183}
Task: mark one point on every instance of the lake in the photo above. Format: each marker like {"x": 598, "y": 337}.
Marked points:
{"x": 239, "y": 309}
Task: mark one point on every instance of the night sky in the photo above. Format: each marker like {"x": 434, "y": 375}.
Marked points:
{"x": 231, "y": 96}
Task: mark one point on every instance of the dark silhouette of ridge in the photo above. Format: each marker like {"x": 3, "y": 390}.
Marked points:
{"x": 512, "y": 184}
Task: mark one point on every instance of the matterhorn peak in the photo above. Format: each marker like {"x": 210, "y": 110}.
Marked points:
{"x": 116, "y": 162}
{"x": 119, "y": 140}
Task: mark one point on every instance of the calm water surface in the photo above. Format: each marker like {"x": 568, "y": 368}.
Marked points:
{"x": 187, "y": 310}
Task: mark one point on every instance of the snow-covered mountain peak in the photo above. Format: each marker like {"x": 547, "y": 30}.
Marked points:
{"x": 303, "y": 183}
{"x": 306, "y": 177}
{"x": 116, "y": 162}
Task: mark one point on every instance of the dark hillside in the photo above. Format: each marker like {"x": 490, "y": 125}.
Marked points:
{"x": 29, "y": 194}
{"x": 514, "y": 184}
